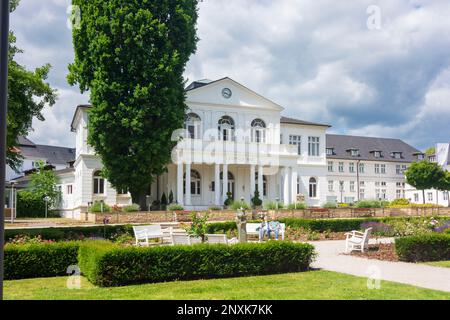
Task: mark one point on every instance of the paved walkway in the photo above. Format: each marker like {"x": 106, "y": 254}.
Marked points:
{"x": 330, "y": 258}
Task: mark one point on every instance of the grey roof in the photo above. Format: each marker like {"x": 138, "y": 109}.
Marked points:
{"x": 22, "y": 141}
{"x": 341, "y": 145}
{"x": 54, "y": 155}
{"x": 302, "y": 122}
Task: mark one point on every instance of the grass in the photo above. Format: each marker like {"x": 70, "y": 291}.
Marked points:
{"x": 318, "y": 285}
{"x": 444, "y": 264}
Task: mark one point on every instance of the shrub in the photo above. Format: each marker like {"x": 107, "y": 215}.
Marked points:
{"x": 379, "y": 228}
{"x": 39, "y": 260}
{"x": 29, "y": 205}
{"x": 330, "y": 205}
{"x": 99, "y": 207}
{"x": 236, "y": 205}
{"x": 272, "y": 205}
{"x": 297, "y": 206}
{"x": 221, "y": 227}
{"x": 107, "y": 265}
{"x": 175, "y": 207}
{"x": 131, "y": 208}
{"x": 70, "y": 233}
{"x": 256, "y": 200}
{"x": 429, "y": 247}
{"x": 400, "y": 202}
{"x": 371, "y": 204}
{"x": 215, "y": 208}
{"x": 198, "y": 226}
{"x": 229, "y": 199}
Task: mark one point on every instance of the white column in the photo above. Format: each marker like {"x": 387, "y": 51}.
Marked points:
{"x": 252, "y": 181}
{"x": 260, "y": 182}
{"x": 180, "y": 184}
{"x": 225, "y": 182}
{"x": 294, "y": 185}
{"x": 287, "y": 185}
{"x": 217, "y": 185}
{"x": 188, "y": 200}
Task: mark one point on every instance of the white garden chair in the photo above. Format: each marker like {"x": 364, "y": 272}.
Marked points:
{"x": 356, "y": 240}
{"x": 143, "y": 234}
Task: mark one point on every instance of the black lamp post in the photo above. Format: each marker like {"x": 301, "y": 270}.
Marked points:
{"x": 4, "y": 48}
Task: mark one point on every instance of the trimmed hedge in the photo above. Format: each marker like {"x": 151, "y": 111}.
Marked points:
{"x": 70, "y": 233}
{"x": 108, "y": 265}
{"x": 423, "y": 248}
{"x": 29, "y": 205}
{"x": 221, "y": 227}
{"x": 39, "y": 260}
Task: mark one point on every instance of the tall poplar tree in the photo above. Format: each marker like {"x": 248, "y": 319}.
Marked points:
{"x": 131, "y": 55}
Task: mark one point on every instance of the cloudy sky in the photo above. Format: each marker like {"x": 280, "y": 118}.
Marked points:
{"x": 323, "y": 60}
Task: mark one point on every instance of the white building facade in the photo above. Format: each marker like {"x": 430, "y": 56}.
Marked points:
{"x": 441, "y": 198}
{"x": 234, "y": 142}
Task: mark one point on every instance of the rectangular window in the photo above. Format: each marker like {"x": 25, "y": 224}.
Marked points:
{"x": 383, "y": 169}
{"x": 398, "y": 169}
{"x": 430, "y": 196}
{"x": 69, "y": 189}
{"x": 399, "y": 194}
{"x": 313, "y": 146}
{"x": 351, "y": 167}
{"x": 416, "y": 197}
{"x": 341, "y": 167}
{"x": 361, "y": 168}
{"x": 445, "y": 195}
{"x": 377, "y": 169}
{"x": 361, "y": 194}
{"x": 330, "y": 151}
{"x": 377, "y": 194}
{"x": 352, "y": 186}
{"x": 330, "y": 166}
{"x": 99, "y": 186}
{"x": 383, "y": 194}
{"x": 331, "y": 185}
{"x": 362, "y": 183}
{"x": 296, "y": 141}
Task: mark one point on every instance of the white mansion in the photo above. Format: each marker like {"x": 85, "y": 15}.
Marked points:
{"x": 235, "y": 141}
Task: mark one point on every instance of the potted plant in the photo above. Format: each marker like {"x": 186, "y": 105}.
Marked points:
{"x": 256, "y": 201}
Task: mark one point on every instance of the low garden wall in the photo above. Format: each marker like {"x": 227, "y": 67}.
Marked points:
{"x": 227, "y": 215}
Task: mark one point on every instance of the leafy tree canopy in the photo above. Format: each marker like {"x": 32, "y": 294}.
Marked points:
{"x": 424, "y": 175}
{"x": 28, "y": 94}
{"x": 43, "y": 184}
{"x": 131, "y": 56}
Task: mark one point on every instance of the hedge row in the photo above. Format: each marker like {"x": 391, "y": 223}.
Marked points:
{"x": 39, "y": 260}
{"x": 107, "y": 265}
{"x": 429, "y": 247}
{"x": 70, "y": 233}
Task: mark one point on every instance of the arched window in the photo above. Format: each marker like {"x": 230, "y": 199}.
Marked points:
{"x": 99, "y": 183}
{"x": 264, "y": 184}
{"x": 258, "y": 131}
{"x": 196, "y": 183}
{"x": 193, "y": 126}
{"x": 313, "y": 188}
{"x": 226, "y": 128}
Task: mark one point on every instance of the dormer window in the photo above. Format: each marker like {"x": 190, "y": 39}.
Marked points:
{"x": 397, "y": 155}
{"x": 419, "y": 156}
{"x": 330, "y": 151}
{"x": 354, "y": 152}
{"x": 377, "y": 154}
{"x": 432, "y": 158}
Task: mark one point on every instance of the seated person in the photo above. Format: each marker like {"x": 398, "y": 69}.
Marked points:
{"x": 275, "y": 227}
{"x": 263, "y": 229}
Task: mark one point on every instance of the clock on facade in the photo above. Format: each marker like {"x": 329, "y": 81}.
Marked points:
{"x": 226, "y": 93}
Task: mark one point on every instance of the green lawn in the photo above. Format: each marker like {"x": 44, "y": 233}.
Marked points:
{"x": 308, "y": 285}
{"x": 445, "y": 264}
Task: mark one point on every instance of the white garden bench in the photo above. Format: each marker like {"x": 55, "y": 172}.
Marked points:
{"x": 143, "y": 234}
{"x": 253, "y": 229}
{"x": 219, "y": 239}
{"x": 357, "y": 240}
{"x": 184, "y": 239}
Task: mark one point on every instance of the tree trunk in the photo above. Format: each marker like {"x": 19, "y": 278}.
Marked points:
{"x": 140, "y": 198}
{"x": 423, "y": 195}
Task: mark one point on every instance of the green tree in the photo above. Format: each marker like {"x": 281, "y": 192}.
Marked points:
{"x": 430, "y": 151}
{"x": 131, "y": 56}
{"x": 43, "y": 184}
{"x": 28, "y": 94}
{"x": 424, "y": 175}
{"x": 444, "y": 184}
{"x": 256, "y": 200}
